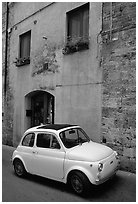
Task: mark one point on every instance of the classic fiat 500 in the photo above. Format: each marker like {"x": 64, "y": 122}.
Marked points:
{"x": 64, "y": 153}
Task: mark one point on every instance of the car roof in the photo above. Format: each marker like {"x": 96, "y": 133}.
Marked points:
{"x": 55, "y": 126}
{"x": 51, "y": 127}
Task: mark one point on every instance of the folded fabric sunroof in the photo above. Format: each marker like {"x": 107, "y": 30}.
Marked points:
{"x": 55, "y": 126}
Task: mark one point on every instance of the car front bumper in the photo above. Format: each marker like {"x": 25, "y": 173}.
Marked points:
{"x": 101, "y": 180}
{"x": 111, "y": 166}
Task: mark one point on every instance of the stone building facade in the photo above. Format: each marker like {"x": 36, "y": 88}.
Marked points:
{"x": 119, "y": 80}
{"x": 71, "y": 63}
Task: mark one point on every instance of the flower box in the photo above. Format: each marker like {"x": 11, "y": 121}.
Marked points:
{"x": 75, "y": 45}
{"x": 22, "y": 61}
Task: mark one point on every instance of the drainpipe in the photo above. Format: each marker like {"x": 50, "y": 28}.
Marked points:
{"x": 111, "y": 19}
{"x": 6, "y": 49}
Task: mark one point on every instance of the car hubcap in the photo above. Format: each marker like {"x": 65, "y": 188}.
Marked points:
{"x": 77, "y": 184}
{"x": 19, "y": 169}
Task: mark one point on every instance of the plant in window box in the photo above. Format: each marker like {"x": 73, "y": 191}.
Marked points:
{"x": 70, "y": 46}
{"x": 65, "y": 50}
{"x": 83, "y": 43}
{"x": 75, "y": 44}
{"x": 22, "y": 61}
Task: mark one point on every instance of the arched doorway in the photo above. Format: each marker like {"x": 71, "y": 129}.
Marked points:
{"x": 41, "y": 109}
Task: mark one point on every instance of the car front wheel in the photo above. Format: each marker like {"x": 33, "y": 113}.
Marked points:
{"x": 19, "y": 168}
{"x": 79, "y": 183}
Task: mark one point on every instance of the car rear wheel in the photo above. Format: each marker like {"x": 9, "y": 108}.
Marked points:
{"x": 79, "y": 183}
{"x": 19, "y": 168}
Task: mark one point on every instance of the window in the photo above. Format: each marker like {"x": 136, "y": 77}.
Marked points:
{"x": 47, "y": 141}
{"x": 24, "y": 49}
{"x": 29, "y": 140}
{"x": 73, "y": 137}
{"x": 25, "y": 45}
{"x": 78, "y": 28}
{"x": 78, "y": 23}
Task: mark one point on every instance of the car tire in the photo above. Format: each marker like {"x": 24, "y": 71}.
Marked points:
{"x": 79, "y": 183}
{"x": 19, "y": 168}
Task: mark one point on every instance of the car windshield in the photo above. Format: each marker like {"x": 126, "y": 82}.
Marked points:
{"x": 73, "y": 137}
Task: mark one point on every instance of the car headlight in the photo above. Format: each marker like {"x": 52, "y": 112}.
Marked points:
{"x": 100, "y": 167}
{"x": 116, "y": 155}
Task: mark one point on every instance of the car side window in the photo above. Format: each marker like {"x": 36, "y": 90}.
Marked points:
{"x": 28, "y": 140}
{"x": 45, "y": 140}
{"x": 54, "y": 143}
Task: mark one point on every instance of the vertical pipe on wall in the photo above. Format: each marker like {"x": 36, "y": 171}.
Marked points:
{"x": 111, "y": 21}
{"x": 6, "y": 49}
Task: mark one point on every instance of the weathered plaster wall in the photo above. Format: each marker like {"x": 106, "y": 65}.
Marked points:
{"x": 119, "y": 82}
{"x": 74, "y": 79}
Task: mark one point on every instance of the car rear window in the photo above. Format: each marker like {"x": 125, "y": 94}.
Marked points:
{"x": 28, "y": 140}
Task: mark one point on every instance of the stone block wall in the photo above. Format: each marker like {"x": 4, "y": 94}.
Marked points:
{"x": 118, "y": 63}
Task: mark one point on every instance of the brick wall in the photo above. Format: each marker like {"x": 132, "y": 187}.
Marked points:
{"x": 119, "y": 82}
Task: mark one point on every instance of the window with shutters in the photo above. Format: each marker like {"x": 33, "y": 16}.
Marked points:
{"x": 24, "y": 49}
{"x": 77, "y": 29}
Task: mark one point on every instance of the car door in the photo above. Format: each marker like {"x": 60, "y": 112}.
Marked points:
{"x": 49, "y": 156}
{"x": 26, "y": 149}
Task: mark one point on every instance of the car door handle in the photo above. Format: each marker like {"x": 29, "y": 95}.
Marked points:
{"x": 35, "y": 152}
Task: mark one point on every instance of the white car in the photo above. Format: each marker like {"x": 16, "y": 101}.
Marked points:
{"x": 64, "y": 153}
